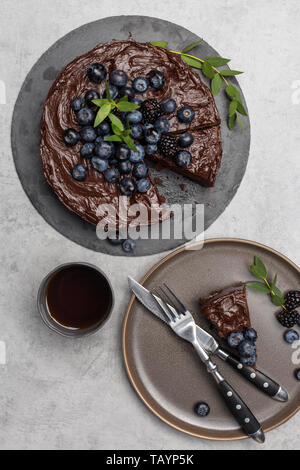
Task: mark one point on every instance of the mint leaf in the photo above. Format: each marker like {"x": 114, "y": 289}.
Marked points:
{"x": 216, "y": 84}
{"x": 124, "y": 98}
{"x": 128, "y": 140}
{"x": 113, "y": 138}
{"x": 100, "y": 101}
{"x": 116, "y": 121}
{"x": 256, "y": 272}
{"x": 160, "y": 43}
{"x": 125, "y": 106}
{"x": 259, "y": 286}
{"x": 107, "y": 91}
{"x": 192, "y": 62}
{"x": 217, "y": 61}
{"x": 232, "y": 108}
{"x": 208, "y": 70}
{"x": 273, "y": 283}
{"x": 241, "y": 109}
{"x": 233, "y": 93}
{"x": 260, "y": 266}
{"x": 231, "y": 121}
{"x": 277, "y": 300}
{"x": 278, "y": 294}
{"x": 116, "y": 130}
{"x": 230, "y": 73}
{"x": 102, "y": 114}
{"x": 240, "y": 122}
{"x": 191, "y": 46}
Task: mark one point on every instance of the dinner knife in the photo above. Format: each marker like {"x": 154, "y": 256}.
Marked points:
{"x": 209, "y": 343}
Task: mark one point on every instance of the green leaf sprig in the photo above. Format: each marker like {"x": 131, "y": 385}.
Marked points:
{"x": 259, "y": 271}
{"x": 106, "y": 106}
{"x": 217, "y": 78}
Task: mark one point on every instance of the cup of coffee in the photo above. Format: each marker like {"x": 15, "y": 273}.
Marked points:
{"x": 75, "y": 299}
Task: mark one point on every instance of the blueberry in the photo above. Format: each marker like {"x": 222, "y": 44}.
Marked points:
{"x": 127, "y": 91}
{"x": 127, "y": 186}
{"x": 235, "y": 338}
{"x": 136, "y": 157}
{"x": 118, "y": 78}
{"x": 86, "y": 150}
{"x": 125, "y": 167}
{"x": 147, "y": 127}
{"x": 143, "y": 185}
{"x": 79, "y": 172}
{"x": 103, "y": 129}
{"x": 152, "y": 136}
{"x": 112, "y": 175}
{"x": 98, "y": 140}
{"x": 77, "y": 103}
{"x": 156, "y": 79}
{"x": 249, "y": 360}
{"x": 140, "y": 84}
{"x": 297, "y": 374}
{"x": 99, "y": 164}
{"x": 123, "y": 152}
{"x": 151, "y": 149}
{"x": 85, "y": 116}
{"x": 71, "y": 137}
{"x": 113, "y": 161}
{"x": 113, "y": 90}
{"x": 91, "y": 95}
{"x": 88, "y": 134}
{"x": 96, "y": 72}
{"x": 105, "y": 149}
{"x": 185, "y": 140}
{"x": 290, "y": 336}
{"x": 136, "y": 101}
{"x": 168, "y": 106}
{"x": 247, "y": 348}
{"x": 134, "y": 117}
{"x": 136, "y": 131}
{"x": 251, "y": 334}
{"x": 185, "y": 114}
{"x": 183, "y": 159}
{"x": 116, "y": 240}
{"x": 128, "y": 245}
{"x": 140, "y": 170}
{"x": 162, "y": 125}
{"x": 202, "y": 409}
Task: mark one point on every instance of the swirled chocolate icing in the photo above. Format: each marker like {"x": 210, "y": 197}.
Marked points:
{"x": 136, "y": 59}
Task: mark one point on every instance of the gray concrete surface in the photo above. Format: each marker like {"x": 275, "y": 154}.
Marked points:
{"x": 59, "y": 394}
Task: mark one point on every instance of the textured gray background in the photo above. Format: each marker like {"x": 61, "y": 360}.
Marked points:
{"x": 56, "y": 393}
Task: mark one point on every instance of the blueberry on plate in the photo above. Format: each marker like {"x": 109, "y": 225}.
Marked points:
{"x": 290, "y": 336}
{"x": 247, "y": 348}
{"x": 142, "y": 185}
{"x": 85, "y": 116}
{"x": 140, "y": 170}
{"x": 202, "y": 409}
{"x": 91, "y": 95}
{"x": 251, "y": 334}
{"x": 136, "y": 131}
{"x": 168, "y": 106}
{"x": 123, "y": 152}
{"x": 162, "y": 125}
{"x": 140, "y": 84}
{"x": 136, "y": 101}
{"x": 183, "y": 159}
{"x": 127, "y": 186}
{"x": 112, "y": 175}
{"x": 185, "y": 140}
{"x": 156, "y": 79}
{"x": 99, "y": 164}
{"x": 71, "y": 137}
{"x": 128, "y": 245}
{"x": 96, "y": 72}
{"x": 249, "y": 360}
{"x": 105, "y": 149}
{"x": 125, "y": 167}
{"x": 185, "y": 114}
{"x": 118, "y": 78}
{"x": 87, "y": 150}
{"x": 88, "y": 134}
{"x": 103, "y": 129}
{"x": 151, "y": 149}
{"x": 136, "y": 157}
{"x": 77, "y": 103}
{"x": 113, "y": 91}
{"x": 127, "y": 91}
{"x": 297, "y": 374}
{"x": 152, "y": 135}
{"x": 79, "y": 172}
{"x": 235, "y": 338}
{"x": 134, "y": 117}
{"x": 115, "y": 239}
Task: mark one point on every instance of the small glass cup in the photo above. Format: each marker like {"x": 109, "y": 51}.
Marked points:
{"x": 52, "y": 323}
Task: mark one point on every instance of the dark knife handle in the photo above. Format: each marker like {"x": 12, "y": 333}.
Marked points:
{"x": 241, "y": 412}
{"x": 256, "y": 377}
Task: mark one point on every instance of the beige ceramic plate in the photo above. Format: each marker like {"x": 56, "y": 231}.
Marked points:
{"x": 166, "y": 372}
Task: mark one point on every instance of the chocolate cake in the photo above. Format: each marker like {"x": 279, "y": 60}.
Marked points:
{"x": 180, "y": 82}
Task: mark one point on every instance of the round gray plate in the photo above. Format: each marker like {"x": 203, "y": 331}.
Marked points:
{"x": 26, "y": 133}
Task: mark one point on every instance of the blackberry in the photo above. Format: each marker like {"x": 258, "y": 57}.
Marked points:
{"x": 151, "y": 111}
{"x": 292, "y": 299}
{"x": 167, "y": 146}
{"x": 288, "y": 319}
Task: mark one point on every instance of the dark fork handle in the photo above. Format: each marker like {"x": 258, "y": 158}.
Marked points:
{"x": 256, "y": 377}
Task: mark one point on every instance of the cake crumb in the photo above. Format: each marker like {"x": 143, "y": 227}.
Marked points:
{"x": 158, "y": 180}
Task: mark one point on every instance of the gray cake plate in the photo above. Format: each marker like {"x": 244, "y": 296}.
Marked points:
{"x": 25, "y": 134}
